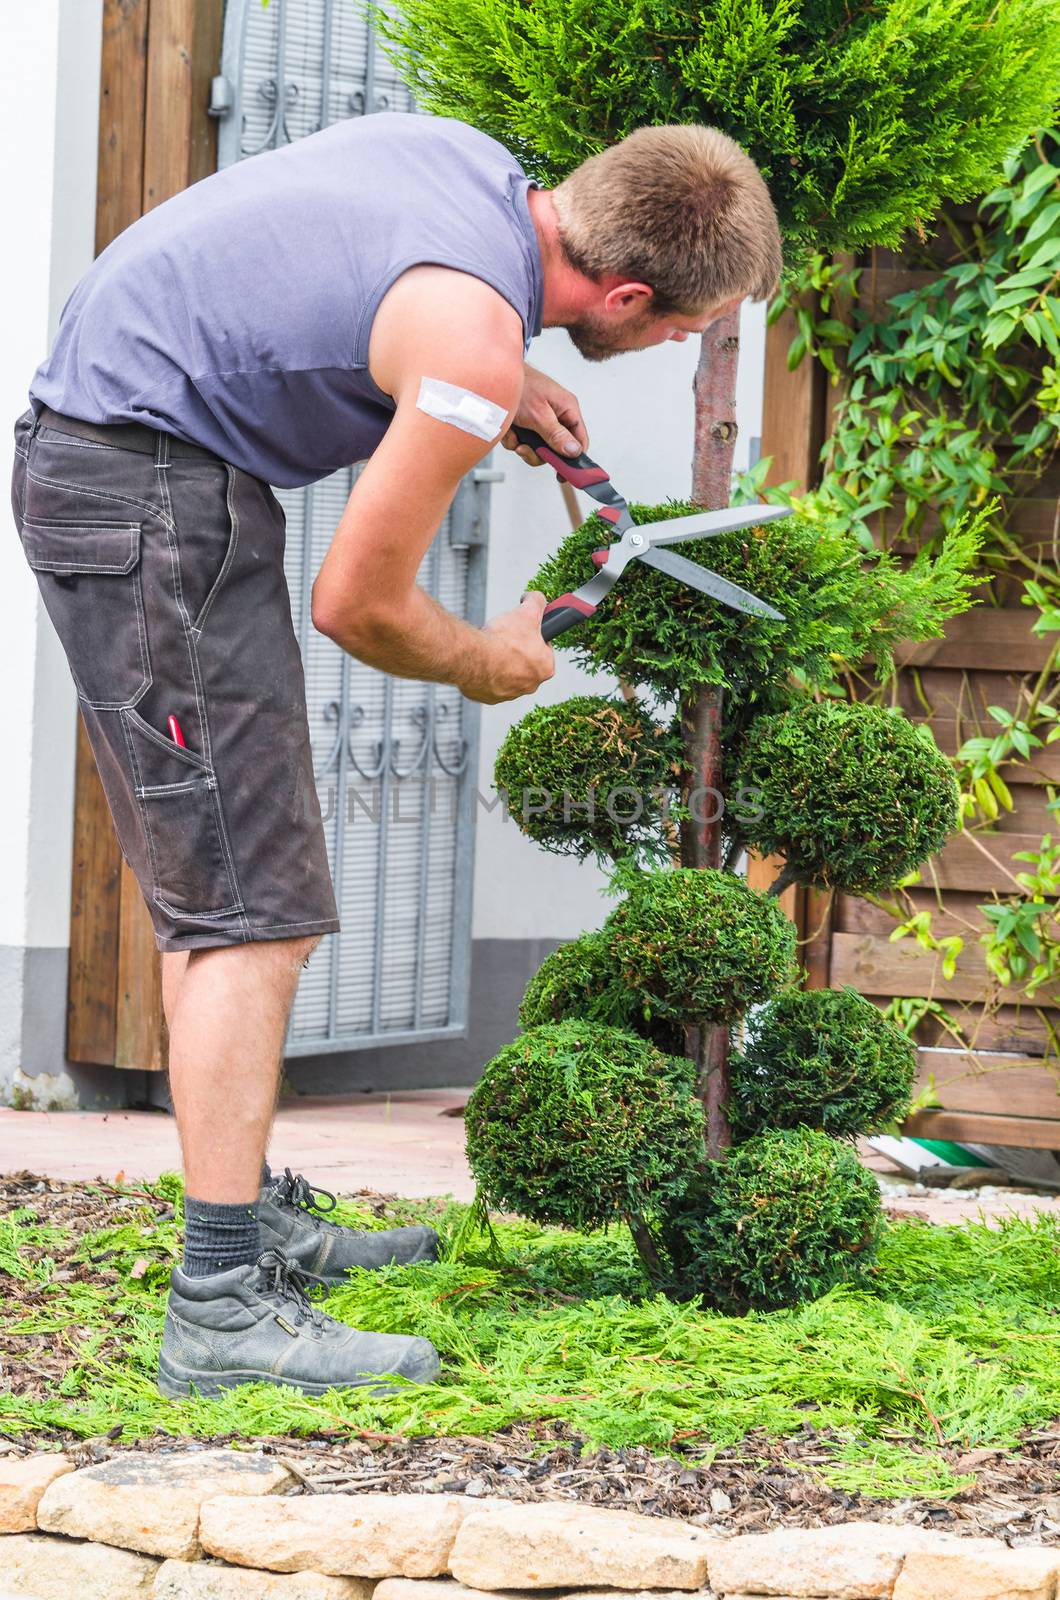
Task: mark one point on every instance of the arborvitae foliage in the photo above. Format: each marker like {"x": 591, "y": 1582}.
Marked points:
{"x": 785, "y": 1217}
{"x": 821, "y": 1058}
{"x": 582, "y": 1124}
{"x": 854, "y": 796}
{"x": 582, "y": 981}
{"x": 590, "y": 776}
{"x": 840, "y": 605}
{"x": 700, "y": 946}
{"x": 862, "y": 120}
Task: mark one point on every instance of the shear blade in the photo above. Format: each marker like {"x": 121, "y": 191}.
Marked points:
{"x": 707, "y": 582}
{"x": 707, "y": 524}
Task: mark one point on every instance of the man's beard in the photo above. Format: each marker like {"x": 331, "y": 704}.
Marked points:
{"x": 596, "y": 340}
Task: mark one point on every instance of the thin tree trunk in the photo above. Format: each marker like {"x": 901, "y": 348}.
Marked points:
{"x": 650, "y": 1259}
{"x": 701, "y": 718}
{"x": 715, "y": 391}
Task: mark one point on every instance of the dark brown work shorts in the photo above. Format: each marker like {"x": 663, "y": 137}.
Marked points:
{"x": 162, "y": 570}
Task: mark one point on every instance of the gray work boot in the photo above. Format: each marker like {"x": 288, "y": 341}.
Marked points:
{"x": 256, "y": 1324}
{"x": 289, "y": 1212}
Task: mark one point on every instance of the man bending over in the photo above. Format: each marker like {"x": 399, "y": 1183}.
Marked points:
{"x": 365, "y": 294}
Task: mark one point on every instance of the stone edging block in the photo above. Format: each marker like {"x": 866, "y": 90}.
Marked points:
{"x": 344, "y": 1535}
{"x": 275, "y": 1546}
{"x": 23, "y": 1481}
{"x": 151, "y": 1502}
{"x": 561, "y": 1544}
{"x": 41, "y": 1567}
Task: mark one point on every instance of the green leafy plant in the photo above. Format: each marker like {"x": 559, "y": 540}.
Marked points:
{"x": 583, "y": 981}
{"x": 951, "y": 405}
{"x": 821, "y": 1058}
{"x": 784, "y": 1218}
{"x": 861, "y": 121}
{"x": 1022, "y": 941}
{"x": 840, "y": 605}
{"x": 591, "y": 776}
{"x": 853, "y": 796}
{"x": 700, "y": 945}
{"x": 578, "y": 1123}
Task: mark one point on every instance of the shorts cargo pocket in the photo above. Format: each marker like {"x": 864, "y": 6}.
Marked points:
{"x": 89, "y": 577}
{"x": 181, "y": 809}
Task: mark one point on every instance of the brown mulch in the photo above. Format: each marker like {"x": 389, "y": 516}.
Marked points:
{"x": 761, "y": 1483}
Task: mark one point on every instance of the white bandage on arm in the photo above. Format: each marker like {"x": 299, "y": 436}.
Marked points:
{"x": 464, "y": 409}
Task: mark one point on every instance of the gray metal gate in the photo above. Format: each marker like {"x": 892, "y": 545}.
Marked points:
{"x": 395, "y": 761}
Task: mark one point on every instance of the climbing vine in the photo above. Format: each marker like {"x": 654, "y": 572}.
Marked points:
{"x": 950, "y": 404}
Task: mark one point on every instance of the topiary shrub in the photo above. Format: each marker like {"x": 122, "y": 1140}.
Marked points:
{"x": 582, "y": 980}
{"x": 840, "y": 605}
{"x": 590, "y": 776}
{"x": 855, "y": 797}
{"x": 783, "y": 1218}
{"x": 581, "y": 1124}
{"x": 701, "y": 946}
{"x": 821, "y": 1058}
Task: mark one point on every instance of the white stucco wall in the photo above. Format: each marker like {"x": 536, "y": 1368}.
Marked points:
{"x": 49, "y": 113}
{"x": 638, "y": 409}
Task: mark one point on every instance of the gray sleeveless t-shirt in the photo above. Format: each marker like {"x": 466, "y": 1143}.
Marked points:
{"x": 237, "y": 315}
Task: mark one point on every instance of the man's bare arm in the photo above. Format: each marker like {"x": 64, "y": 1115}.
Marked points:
{"x": 366, "y": 596}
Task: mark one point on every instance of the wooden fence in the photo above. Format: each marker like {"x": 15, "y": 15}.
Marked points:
{"x": 155, "y": 138}
{"x": 999, "y": 1089}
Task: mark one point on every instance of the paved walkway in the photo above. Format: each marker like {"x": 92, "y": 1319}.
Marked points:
{"x": 397, "y": 1144}
{"x": 408, "y": 1144}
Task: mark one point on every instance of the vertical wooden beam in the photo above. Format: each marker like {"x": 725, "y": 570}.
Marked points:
{"x": 793, "y": 409}
{"x": 180, "y": 138}
{"x": 762, "y": 872}
{"x": 91, "y": 1033}
{"x": 179, "y": 147}
{"x": 794, "y": 421}
{"x": 123, "y": 91}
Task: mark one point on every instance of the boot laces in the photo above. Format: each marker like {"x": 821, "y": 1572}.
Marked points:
{"x": 291, "y": 1283}
{"x": 295, "y": 1190}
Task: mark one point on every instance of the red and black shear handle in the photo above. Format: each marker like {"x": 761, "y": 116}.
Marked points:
{"x": 567, "y": 610}
{"x": 579, "y": 470}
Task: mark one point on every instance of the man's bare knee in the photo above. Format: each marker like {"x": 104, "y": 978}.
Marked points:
{"x": 302, "y": 949}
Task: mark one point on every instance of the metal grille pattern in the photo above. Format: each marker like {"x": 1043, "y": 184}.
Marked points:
{"x": 395, "y": 761}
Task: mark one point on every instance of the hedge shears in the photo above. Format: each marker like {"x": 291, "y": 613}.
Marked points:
{"x": 642, "y": 544}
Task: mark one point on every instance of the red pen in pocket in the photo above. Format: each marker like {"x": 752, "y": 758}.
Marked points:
{"x": 175, "y": 733}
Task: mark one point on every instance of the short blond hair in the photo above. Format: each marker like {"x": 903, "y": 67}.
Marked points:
{"x": 680, "y": 208}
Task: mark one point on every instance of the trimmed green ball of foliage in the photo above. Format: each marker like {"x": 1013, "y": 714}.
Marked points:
{"x": 839, "y": 604}
{"x": 863, "y": 119}
{"x": 589, "y": 776}
{"x": 783, "y": 1218}
{"x": 700, "y": 946}
{"x": 821, "y": 1058}
{"x": 581, "y": 1124}
{"x": 582, "y": 982}
{"x": 854, "y": 796}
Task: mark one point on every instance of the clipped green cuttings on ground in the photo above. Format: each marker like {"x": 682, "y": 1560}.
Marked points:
{"x": 700, "y": 946}
{"x": 821, "y": 1058}
{"x": 783, "y": 1218}
{"x": 863, "y": 119}
{"x": 583, "y": 1125}
{"x": 840, "y": 605}
{"x": 855, "y": 797}
{"x": 581, "y": 981}
{"x": 590, "y": 776}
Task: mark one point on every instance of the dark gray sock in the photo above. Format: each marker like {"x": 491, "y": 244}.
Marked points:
{"x": 217, "y": 1237}
{"x": 266, "y": 1175}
